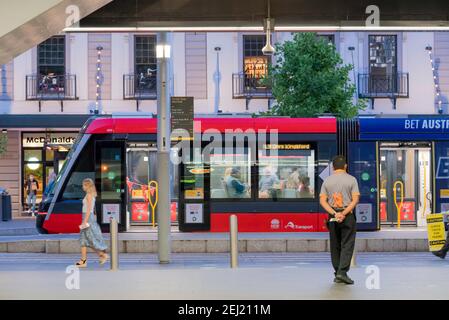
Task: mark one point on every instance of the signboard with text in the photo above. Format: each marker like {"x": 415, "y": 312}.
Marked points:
{"x": 181, "y": 118}
{"x": 39, "y": 139}
{"x": 436, "y": 231}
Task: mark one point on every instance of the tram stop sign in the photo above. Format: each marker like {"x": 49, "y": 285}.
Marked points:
{"x": 181, "y": 119}
{"x": 436, "y": 231}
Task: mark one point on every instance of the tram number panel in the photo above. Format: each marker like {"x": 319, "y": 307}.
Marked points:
{"x": 110, "y": 210}
{"x": 194, "y": 213}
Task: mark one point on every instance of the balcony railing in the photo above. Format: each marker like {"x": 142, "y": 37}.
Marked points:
{"x": 244, "y": 86}
{"x": 51, "y": 87}
{"x": 139, "y": 87}
{"x": 383, "y": 86}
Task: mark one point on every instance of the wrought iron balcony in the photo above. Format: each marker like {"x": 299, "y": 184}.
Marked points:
{"x": 244, "y": 86}
{"x": 140, "y": 87}
{"x": 392, "y": 86}
{"x": 51, "y": 87}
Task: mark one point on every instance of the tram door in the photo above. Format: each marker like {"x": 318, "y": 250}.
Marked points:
{"x": 141, "y": 194}
{"x": 141, "y": 179}
{"x": 405, "y": 183}
{"x": 110, "y": 173}
{"x": 362, "y": 164}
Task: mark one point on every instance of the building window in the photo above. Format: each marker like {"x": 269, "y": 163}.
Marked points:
{"x": 382, "y": 54}
{"x": 51, "y": 79}
{"x": 255, "y": 63}
{"x": 145, "y": 63}
{"x": 51, "y": 56}
{"x": 330, "y": 38}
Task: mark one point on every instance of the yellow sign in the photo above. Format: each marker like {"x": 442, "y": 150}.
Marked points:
{"x": 197, "y": 193}
{"x": 436, "y": 232}
{"x": 137, "y": 194}
{"x": 287, "y": 146}
{"x": 444, "y": 193}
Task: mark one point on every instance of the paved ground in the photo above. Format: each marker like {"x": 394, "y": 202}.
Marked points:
{"x": 403, "y": 233}
{"x": 208, "y": 276}
{"x": 18, "y": 226}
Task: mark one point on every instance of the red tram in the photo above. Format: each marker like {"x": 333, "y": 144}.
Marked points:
{"x": 268, "y": 193}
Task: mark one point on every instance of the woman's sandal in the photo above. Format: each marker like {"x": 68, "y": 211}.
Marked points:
{"x": 82, "y": 263}
{"x": 104, "y": 257}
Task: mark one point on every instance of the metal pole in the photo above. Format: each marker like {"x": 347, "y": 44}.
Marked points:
{"x": 114, "y": 243}
{"x": 354, "y": 257}
{"x": 163, "y": 154}
{"x": 233, "y": 231}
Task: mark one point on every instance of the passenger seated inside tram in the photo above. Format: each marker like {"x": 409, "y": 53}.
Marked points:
{"x": 268, "y": 183}
{"x": 304, "y": 188}
{"x": 293, "y": 180}
{"x": 234, "y": 185}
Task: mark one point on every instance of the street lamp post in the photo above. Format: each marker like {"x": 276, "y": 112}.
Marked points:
{"x": 217, "y": 78}
{"x": 163, "y": 148}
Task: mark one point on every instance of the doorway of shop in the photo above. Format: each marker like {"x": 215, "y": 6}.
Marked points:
{"x": 405, "y": 183}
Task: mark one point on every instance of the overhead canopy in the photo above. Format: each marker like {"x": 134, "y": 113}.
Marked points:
{"x": 244, "y": 13}
{"x": 26, "y": 23}
{"x": 30, "y": 121}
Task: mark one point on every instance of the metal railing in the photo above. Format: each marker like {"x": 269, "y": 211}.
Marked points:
{"x": 51, "y": 87}
{"x": 139, "y": 87}
{"x": 383, "y": 86}
{"x": 244, "y": 86}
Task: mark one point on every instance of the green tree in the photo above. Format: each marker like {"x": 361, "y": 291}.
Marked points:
{"x": 309, "y": 78}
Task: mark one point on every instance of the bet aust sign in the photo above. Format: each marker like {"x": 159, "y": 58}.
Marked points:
{"x": 422, "y": 128}
{"x": 426, "y": 124}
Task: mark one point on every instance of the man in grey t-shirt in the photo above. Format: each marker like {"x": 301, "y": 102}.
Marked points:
{"x": 339, "y": 195}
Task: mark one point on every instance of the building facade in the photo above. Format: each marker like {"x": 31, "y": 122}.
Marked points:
{"x": 86, "y": 73}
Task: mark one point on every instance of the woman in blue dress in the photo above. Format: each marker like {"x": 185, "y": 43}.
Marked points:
{"x": 90, "y": 232}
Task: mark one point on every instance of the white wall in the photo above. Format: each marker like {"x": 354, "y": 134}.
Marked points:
{"x": 178, "y": 64}
{"x": 414, "y": 60}
{"x": 120, "y": 63}
{"x": 78, "y": 62}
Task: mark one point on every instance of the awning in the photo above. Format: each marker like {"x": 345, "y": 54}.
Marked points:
{"x": 18, "y": 121}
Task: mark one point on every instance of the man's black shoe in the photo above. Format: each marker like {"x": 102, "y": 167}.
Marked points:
{"x": 344, "y": 278}
{"x": 336, "y": 280}
{"x": 440, "y": 254}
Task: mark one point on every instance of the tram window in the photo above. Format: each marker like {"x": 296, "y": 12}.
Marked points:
{"x": 288, "y": 174}
{"x": 138, "y": 173}
{"x": 193, "y": 181}
{"x": 111, "y": 173}
{"x": 230, "y": 176}
{"x": 84, "y": 168}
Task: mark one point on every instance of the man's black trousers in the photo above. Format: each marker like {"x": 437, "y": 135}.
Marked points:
{"x": 342, "y": 242}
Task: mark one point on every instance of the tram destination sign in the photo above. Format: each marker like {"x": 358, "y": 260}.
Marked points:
{"x": 181, "y": 118}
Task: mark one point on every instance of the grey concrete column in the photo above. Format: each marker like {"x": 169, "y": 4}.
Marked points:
{"x": 163, "y": 154}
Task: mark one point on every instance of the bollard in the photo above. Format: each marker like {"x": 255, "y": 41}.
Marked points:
{"x": 113, "y": 230}
{"x": 354, "y": 258}
{"x": 233, "y": 231}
